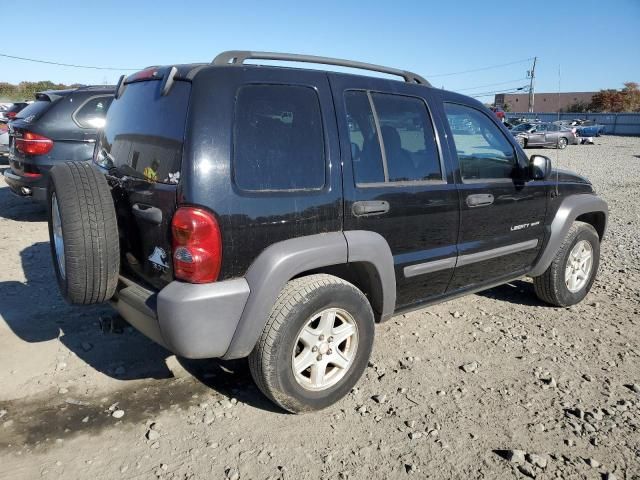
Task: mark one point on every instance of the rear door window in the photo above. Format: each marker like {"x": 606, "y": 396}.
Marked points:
{"x": 409, "y": 140}
{"x": 366, "y": 154}
{"x": 278, "y": 139}
{"x": 92, "y": 113}
{"x": 408, "y": 151}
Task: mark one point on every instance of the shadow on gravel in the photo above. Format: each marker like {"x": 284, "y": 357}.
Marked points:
{"x": 20, "y": 209}
{"x": 36, "y": 312}
{"x": 518, "y": 292}
{"x": 230, "y": 378}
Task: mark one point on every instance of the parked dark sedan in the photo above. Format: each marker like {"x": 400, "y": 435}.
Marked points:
{"x": 543, "y": 135}
{"x": 60, "y": 125}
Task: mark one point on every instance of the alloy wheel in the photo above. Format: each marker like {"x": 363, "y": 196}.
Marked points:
{"x": 325, "y": 349}
{"x": 579, "y": 265}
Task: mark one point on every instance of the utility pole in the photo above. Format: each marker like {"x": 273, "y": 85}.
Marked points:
{"x": 532, "y": 76}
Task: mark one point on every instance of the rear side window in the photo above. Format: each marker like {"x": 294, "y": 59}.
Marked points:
{"x": 144, "y": 132}
{"x": 93, "y": 112}
{"x": 278, "y": 139}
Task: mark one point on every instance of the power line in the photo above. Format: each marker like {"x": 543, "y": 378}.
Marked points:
{"x": 481, "y": 69}
{"x": 64, "y": 64}
{"x": 522, "y": 89}
{"x": 491, "y": 84}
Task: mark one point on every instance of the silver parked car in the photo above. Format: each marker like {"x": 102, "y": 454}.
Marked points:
{"x": 543, "y": 135}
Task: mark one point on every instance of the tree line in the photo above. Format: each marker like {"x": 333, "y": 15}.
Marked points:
{"x": 27, "y": 90}
{"x": 626, "y": 99}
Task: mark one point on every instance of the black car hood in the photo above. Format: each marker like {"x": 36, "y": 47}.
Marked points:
{"x": 567, "y": 176}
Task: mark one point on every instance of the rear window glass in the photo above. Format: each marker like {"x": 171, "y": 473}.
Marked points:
{"x": 144, "y": 132}
{"x": 278, "y": 138}
{"x": 92, "y": 113}
{"x": 34, "y": 110}
{"x": 16, "y": 107}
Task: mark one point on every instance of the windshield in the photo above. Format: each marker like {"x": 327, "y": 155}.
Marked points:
{"x": 523, "y": 127}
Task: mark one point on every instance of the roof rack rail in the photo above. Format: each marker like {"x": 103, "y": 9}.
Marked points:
{"x": 238, "y": 57}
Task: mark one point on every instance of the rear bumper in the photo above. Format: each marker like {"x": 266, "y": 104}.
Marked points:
{"x": 25, "y": 186}
{"x": 193, "y": 321}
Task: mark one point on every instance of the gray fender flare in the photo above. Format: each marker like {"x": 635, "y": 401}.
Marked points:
{"x": 372, "y": 248}
{"x": 282, "y": 261}
{"x": 570, "y": 209}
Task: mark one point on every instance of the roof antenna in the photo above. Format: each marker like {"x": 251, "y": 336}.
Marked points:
{"x": 557, "y": 193}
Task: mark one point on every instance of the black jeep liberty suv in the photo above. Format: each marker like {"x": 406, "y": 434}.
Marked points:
{"x": 238, "y": 210}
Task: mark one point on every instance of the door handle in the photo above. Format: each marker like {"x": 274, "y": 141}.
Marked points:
{"x": 148, "y": 213}
{"x": 479, "y": 200}
{"x": 370, "y": 207}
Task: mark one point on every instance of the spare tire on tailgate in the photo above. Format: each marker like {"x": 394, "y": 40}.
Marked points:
{"x": 83, "y": 233}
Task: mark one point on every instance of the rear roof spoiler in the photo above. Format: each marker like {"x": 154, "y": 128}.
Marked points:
{"x": 167, "y": 75}
{"x": 238, "y": 57}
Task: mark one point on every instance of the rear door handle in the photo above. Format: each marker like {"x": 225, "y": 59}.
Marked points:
{"x": 148, "y": 213}
{"x": 479, "y": 200}
{"x": 370, "y": 207}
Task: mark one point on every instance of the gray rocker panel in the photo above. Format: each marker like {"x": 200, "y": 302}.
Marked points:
{"x": 570, "y": 209}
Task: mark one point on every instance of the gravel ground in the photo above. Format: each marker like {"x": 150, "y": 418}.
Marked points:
{"x": 544, "y": 392}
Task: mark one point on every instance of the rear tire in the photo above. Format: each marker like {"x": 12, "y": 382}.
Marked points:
{"x": 295, "y": 326}
{"x": 83, "y": 233}
{"x": 553, "y": 286}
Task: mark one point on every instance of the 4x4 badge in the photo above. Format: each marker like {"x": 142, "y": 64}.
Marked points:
{"x": 159, "y": 259}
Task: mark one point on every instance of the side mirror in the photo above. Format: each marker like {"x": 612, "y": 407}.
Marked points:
{"x": 539, "y": 167}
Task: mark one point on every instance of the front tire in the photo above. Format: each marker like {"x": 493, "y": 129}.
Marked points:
{"x": 562, "y": 143}
{"x": 316, "y": 343}
{"x": 573, "y": 270}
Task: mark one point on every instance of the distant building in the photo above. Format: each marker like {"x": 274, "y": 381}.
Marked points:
{"x": 544, "y": 102}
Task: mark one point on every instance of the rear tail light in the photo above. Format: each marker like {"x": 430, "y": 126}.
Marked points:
{"x": 197, "y": 245}
{"x": 11, "y": 114}
{"x": 33, "y": 144}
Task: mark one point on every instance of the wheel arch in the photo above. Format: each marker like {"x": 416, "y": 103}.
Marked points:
{"x": 360, "y": 257}
{"x": 587, "y": 208}
{"x": 597, "y": 220}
